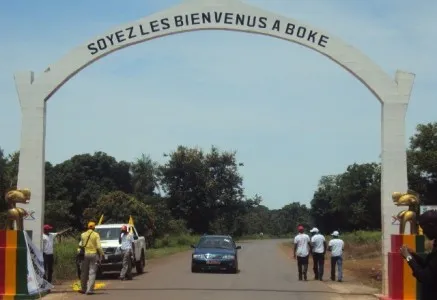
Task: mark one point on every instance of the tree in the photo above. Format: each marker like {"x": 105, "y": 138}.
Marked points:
{"x": 126, "y": 205}
{"x": 145, "y": 177}
{"x": 85, "y": 178}
{"x": 204, "y": 190}
{"x": 349, "y": 201}
{"x": 422, "y": 162}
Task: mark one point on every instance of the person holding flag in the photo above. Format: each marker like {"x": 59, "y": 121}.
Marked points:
{"x": 127, "y": 250}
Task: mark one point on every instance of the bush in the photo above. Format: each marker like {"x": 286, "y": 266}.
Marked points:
{"x": 65, "y": 259}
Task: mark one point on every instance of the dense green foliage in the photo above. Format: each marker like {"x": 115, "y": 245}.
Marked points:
{"x": 196, "y": 192}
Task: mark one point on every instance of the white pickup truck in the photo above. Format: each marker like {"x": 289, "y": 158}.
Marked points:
{"x": 112, "y": 261}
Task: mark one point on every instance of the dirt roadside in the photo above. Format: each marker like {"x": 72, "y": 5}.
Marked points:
{"x": 64, "y": 290}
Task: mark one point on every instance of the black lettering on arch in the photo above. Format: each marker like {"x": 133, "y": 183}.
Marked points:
{"x": 218, "y": 16}
{"x": 130, "y": 31}
{"x": 301, "y": 32}
{"x": 276, "y": 25}
{"x": 178, "y": 21}
{"x": 206, "y": 17}
{"x": 251, "y": 21}
{"x": 229, "y": 18}
{"x": 290, "y": 29}
{"x": 154, "y": 25}
{"x": 195, "y": 19}
{"x": 101, "y": 43}
{"x": 262, "y": 22}
{"x": 110, "y": 38}
{"x": 239, "y": 20}
{"x": 120, "y": 36}
{"x": 323, "y": 41}
{"x": 165, "y": 24}
{"x": 142, "y": 31}
{"x": 92, "y": 48}
{"x": 312, "y": 36}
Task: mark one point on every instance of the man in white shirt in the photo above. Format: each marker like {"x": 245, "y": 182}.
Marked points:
{"x": 318, "y": 244}
{"x": 336, "y": 246}
{"x": 302, "y": 249}
{"x": 127, "y": 247}
{"x": 48, "y": 240}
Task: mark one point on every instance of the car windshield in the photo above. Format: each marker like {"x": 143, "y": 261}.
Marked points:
{"x": 109, "y": 233}
{"x": 216, "y": 242}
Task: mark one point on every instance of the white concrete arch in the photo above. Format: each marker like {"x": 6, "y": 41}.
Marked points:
{"x": 125, "y": 35}
{"x": 194, "y": 15}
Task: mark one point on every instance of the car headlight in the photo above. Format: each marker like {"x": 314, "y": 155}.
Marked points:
{"x": 117, "y": 251}
{"x": 198, "y": 256}
{"x": 229, "y": 256}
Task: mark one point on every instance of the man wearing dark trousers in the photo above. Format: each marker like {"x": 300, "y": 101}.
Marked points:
{"x": 302, "y": 249}
{"x": 318, "y": 244}
{"x": 48, "y": 239}
{"x": 424, "y": 269}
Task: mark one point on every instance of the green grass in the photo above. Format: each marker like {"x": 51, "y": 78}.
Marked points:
{"x": 65, "y": 253}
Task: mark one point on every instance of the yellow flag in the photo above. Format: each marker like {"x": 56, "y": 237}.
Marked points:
{"x": 100, "y": 220}
{"x": 131, "y": 223}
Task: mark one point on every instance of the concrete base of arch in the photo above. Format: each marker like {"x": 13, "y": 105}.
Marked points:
{"x": 394, "y": 96}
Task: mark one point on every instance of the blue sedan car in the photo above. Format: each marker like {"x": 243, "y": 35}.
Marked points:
{"x": 215, "y": 253}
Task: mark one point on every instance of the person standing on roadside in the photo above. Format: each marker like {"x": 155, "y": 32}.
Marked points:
{"x": 90, "y": 240}
{"x": 318, "y": 244}
{"x": 48, "y": 241}
{"x": 425, "y": 268}
{"x": 302, "y": 249}
{"x": 336, "y": 247}
{"x": 127, "y": 249}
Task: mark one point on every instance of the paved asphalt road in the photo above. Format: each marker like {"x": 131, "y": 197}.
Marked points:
{"x": 265, "y": 273}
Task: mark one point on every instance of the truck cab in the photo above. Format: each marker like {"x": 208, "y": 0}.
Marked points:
{"x": 112, "y": 259}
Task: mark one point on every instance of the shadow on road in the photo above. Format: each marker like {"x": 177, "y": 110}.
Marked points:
{"x": 116, "y": 275}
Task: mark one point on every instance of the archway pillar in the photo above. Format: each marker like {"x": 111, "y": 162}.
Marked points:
{"x": 393, "y": 160}
{"x": 31, "y": 171}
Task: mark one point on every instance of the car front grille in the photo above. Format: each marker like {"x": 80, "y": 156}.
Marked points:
{"x": 213, "y": 256}
{"x": 110, "y": 250}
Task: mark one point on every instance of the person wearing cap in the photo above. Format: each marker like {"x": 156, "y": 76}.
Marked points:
{"x": 425, "y": 268}
{"x": 48, "y": 240}
{"x": 127, "y": 249}
{"x": 336, "y": 247}
{"x": 302, "y": 249}
{"x": 90, "y": 240}
{"x": 318, "y": 244}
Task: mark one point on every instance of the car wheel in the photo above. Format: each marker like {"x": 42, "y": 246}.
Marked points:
{"x": 233, "y": 270}
{"x": 194, "y": 269}
{"x": 139, "y": 265}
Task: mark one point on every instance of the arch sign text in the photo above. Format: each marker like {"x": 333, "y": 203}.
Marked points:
{"x": 238, "y": 21}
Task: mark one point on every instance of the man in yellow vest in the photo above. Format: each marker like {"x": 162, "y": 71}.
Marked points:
{"x": 90, "y": 241}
